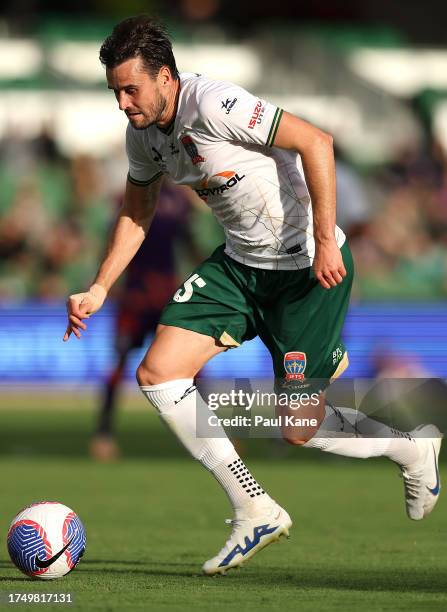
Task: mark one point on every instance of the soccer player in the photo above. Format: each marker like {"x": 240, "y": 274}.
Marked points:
{"x": 284, "y": 273}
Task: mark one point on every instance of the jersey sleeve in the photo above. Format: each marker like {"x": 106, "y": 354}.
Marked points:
{"x": 142, "y": 168}
{"x": 230, "y": 112}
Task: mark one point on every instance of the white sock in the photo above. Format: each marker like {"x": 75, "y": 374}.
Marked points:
{"x": 348, "y": 432}
{"x": 246, "y": 496}
{"x": 180, "y": 406}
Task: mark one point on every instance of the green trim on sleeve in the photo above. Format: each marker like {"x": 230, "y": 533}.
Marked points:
{"x": 144, "y": 183}
{"x": 274, "y": 127}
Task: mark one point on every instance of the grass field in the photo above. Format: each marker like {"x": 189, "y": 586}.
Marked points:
{"x": 155, "y": 516}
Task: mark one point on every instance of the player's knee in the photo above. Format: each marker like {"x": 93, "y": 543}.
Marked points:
{"x": 150, "y": 372}
{"x": 297, "y": 436}
{"x": 294, "y": 439}
{"x": 147, "y": 375}
{"x": 298, "y": 427}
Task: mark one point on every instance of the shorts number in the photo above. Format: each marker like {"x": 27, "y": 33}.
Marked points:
{"x": 185, "y": 294}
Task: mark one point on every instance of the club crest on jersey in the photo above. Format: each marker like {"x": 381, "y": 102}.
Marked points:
{"x": 191, "y": 149}
{"x": 294, "y": 364}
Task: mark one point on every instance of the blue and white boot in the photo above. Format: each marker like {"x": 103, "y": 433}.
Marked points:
{"x": 250, "y": 535}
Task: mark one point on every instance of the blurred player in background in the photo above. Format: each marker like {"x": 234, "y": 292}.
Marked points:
{"x": 285, "y": 272}
{"x": 151, "y": 279}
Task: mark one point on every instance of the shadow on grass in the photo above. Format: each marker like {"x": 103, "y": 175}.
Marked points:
{"x": 366, "y": 579}
{"x": 130, "y": 563}
{"x": 399, "y": 580}
{"x": 372, "y": 580}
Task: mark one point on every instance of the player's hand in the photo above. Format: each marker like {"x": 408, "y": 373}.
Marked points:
{"x": 80, "y": 306}
{"x": 328, "y": 264}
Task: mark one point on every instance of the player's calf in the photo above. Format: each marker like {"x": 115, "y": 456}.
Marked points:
{"x": 349, "y": 432}
{"x": 257, "y": 515}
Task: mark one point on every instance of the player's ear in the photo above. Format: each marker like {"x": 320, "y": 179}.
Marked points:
{"x": 164, "y": 76}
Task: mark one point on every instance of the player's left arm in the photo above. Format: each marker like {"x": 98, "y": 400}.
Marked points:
{"x": 316, "y": 150}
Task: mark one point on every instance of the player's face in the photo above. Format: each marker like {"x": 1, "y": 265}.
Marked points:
{"x": 140, "y": 96}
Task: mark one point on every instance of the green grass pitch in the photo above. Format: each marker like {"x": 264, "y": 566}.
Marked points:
{"x": 155, "y": 516}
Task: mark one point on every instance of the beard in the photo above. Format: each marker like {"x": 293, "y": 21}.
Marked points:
{"x": 151, "y": 115}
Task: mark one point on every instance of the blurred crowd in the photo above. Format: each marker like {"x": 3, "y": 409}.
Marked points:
{"x": 400, "y": 249}
{"x": 52, "y": 211}
{"x": 55, "y": 214}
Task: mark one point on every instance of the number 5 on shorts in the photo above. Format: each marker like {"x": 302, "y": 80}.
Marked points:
{"x": 184, "y": 294}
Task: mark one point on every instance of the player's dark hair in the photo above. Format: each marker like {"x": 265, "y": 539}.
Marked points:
{"x": 142, "y": 37}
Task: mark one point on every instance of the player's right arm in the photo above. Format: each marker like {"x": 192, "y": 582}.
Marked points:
{"x": 130, "y": 229}
{"x": 228, "y": 112}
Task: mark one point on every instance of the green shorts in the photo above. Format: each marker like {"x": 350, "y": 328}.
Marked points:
{"x": 298, "y": 320}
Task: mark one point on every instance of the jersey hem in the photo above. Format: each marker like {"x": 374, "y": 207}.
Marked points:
{"x": 289, "y": 264}
{"x": 269, "y": 265}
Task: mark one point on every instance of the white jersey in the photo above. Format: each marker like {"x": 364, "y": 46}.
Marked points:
{"x": 220, "y": 143}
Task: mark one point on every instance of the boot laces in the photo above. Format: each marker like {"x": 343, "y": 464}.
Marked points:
{"x": 412, "y": 483}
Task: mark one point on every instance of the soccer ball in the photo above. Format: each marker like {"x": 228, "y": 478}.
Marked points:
{"x": 46, "y": 540}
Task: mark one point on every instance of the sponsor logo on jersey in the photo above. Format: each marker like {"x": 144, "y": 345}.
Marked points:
{"x": 228, "y": 104}
{"x": 191, "y": 149}
{"x": 336, "y": 355}
{"x": 209, "y": 187}
{"x": 257, "y": 115}
{"x": 294, "y": 365}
